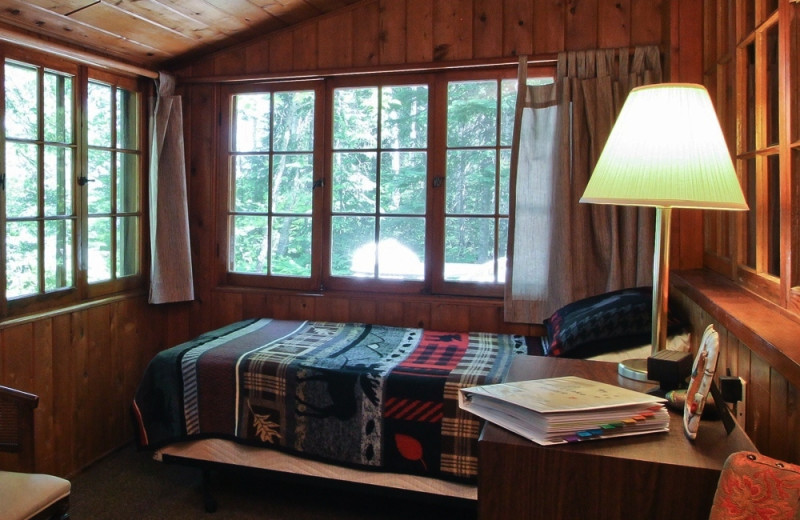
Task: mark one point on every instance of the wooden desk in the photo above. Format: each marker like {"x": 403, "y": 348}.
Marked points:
{"x": 660, "y": 475}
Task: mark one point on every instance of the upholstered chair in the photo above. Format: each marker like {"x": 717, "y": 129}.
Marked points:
{"x": 25, "y": 495}
{"x": 756, "y": 486}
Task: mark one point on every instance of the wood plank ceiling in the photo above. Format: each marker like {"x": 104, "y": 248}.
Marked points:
{"x": 156, "y": 33}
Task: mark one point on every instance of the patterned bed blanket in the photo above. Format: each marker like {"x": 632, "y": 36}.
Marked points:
{"x": 363, "y": 395}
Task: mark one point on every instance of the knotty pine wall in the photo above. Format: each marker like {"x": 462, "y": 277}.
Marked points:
{"x": 757, "y": 344}
{"x": 84, "y": 362}
{"x": 395, "y": 33}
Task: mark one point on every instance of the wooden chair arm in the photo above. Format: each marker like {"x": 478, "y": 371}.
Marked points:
{"x": 16, "y": 425}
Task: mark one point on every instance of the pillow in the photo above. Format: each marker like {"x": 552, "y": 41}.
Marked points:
{"x": 604, "y": 323}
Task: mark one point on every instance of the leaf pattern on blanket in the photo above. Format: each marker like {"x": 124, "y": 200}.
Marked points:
{"x": 265, "y": 429}
{"x": 410, "y": 448}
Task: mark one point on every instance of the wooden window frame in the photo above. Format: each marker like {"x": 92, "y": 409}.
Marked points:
{"x": 741, "y": 27}
{"x": 321, "y": 278}
{"x": 80, "y": 290}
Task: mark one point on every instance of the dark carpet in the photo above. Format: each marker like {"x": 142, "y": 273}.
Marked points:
{"x": 130, "y": 485}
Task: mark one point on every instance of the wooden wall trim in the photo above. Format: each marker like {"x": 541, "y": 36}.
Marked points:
{"x": 34, "y": 317}
{"x": 548, "y": 60}
{"x": 765, "y": 328}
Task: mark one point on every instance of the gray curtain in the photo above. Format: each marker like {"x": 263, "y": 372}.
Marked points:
{"x": 171, "y": 262}
{"x": 561, "y": 250}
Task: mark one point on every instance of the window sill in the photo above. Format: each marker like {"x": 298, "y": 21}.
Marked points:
{"x": 767, "y": 330}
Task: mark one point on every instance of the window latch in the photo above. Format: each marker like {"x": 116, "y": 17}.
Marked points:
{"x": 3, "y": 181}
{"x": 83, "y": 181}
{"x": 438, "y": 182}
{"x": 318, "y": 184}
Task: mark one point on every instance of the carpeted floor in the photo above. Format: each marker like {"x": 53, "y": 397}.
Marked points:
{"x": 130, "y": 485}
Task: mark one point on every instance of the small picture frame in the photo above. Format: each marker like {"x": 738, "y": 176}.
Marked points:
{"x": 702, "y": 376}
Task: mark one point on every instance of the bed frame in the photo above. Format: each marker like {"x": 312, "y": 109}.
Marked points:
{"x": 211, "y": 455}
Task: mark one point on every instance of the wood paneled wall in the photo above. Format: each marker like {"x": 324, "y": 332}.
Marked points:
{"x": 757, "y": 344}
{"x": 397, "y": 32}
{"x": 383, "y": 34}
{"x": 84, "y": 364}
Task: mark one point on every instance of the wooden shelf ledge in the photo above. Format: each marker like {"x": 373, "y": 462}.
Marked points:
{"x": 768, "y": 330}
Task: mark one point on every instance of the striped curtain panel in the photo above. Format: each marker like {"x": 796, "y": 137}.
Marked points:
{"x": 560, "y": 250}
{"x": 170, "y": 261}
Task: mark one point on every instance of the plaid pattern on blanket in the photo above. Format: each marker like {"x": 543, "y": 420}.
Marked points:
{"x": 356, "y": 394}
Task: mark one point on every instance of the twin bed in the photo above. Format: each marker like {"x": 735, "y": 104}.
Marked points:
{"x": 371, "y": 404}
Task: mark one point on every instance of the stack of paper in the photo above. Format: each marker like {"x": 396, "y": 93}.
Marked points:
{"x": 566, "y": 409}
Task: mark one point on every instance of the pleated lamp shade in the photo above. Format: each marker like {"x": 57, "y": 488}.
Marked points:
{"x": 666, "y": 150}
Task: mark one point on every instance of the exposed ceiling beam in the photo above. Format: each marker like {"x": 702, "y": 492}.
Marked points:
{"x": 80, "y": 56}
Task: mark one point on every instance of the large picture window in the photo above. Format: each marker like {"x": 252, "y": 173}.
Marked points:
{"x": 388, "y": 182}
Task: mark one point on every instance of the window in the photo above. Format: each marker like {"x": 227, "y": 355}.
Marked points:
{"x": 39, "y": 163}
{"x": 762, "y": 246}
{"x": 270, "y": 206}
{"x": 112, "y": 183}
{"x": 379, "y": 179}
{"x": 480, "y": 120}
{"x": 49, "y": 202}
{"x": 414, "y": 171}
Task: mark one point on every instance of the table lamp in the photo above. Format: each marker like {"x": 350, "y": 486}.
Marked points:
{"x": 666, "y": 150}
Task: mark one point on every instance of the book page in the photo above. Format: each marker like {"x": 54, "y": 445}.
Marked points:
{"x": 563, "y": 394}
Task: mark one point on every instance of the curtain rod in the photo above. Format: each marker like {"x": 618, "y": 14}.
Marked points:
{"x": 540, "y": 61}
{"x": 63, "y": 51}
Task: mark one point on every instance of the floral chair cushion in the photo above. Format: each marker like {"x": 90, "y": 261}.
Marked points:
{"x": 756, "y": 486}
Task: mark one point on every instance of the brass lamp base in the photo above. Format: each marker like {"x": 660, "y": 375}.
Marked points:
{"x": 633, "y": 369}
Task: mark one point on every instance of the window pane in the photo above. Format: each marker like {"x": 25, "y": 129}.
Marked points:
{"x": 404, "y": 117}
{"x": 252, "y": 120}
{"x": 292, "y": 181}
{"x": 354, "y": 182}
{"x": 294, "y": 121}
{"x": 502, "y": 254}
{"x": 403, "y": 182}
{"x": 22, "y": 180}
{"x": 355, "y": 118}
{"x": 127, "y": 182}
{"x": 21, "y": 89}
{"x": 505, "y": 180}
{"x": 795, "y": 245}
{"x": 471, "y": 181}
{"x": 469, "y": 249}
{"x": 22, "y": 253}
{"x": 57, "y": 108}
{"x": 773, "y": 237}
{"x": 98, "y": 263}
{"x": 401, "y": 249}
{"x": 58, "y": 181}
{"x": 353, "y": 246}
{"x": 508, "y": 100}
{"x": 250, "y": 244}
{"x": 750, "y": 193}
{"x": 250, "y": 183}
{"x": 291, "y": 246}
{"x": 99, "y": 186}
{"x": 472, "y": 113}
{"x": 772, "y": 86}
{"x": 749, "y": 124}
{"x": 127, "y": 120}
{"x": 58, "y": 266}
{"x": 99, "y": 114}
{"x": 793, "y": 62}
{"x": 127, "y": 246}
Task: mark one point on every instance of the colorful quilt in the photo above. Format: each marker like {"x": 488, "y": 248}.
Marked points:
{"x": 363, "y": 395}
